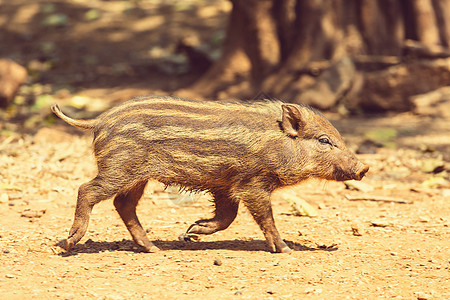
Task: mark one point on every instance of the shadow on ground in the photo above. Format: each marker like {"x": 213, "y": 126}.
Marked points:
{"x": 128, "y": 245}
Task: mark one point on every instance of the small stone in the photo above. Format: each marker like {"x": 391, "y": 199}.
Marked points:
{"x": 446, "y": 192}
{"x": 68, "y": 296}
{"x": 217, "y": 262}
{"x": 9, "y": 276}
{"x": 238, "y": 293}
{"x": 4, "y": 198}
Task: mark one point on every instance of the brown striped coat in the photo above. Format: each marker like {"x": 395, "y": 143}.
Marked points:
{"x": 239, "y": 152}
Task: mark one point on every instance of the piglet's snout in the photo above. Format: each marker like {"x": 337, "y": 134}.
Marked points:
{"x": 361, "y": 172}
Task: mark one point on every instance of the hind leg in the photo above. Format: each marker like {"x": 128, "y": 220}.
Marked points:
{"x": 89, "y": 194}
{"x": 125, "y": 204}
{"x": 225, "y": 212}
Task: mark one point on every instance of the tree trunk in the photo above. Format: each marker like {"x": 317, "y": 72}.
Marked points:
{"x": 233, "y": 63}
{"x": 283, "y": 48}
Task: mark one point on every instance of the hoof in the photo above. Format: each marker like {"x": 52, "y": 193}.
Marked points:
{"x": 69, "y": 244}
{"x": 188, "y": 237}
{"x": 286, "y": 250}
{"x": 152, "y": 249}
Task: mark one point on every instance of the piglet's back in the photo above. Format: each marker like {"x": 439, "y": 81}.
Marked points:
{"x": 198, "y": 144}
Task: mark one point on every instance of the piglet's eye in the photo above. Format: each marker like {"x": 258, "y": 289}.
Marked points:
{"x": 324, "y": 140}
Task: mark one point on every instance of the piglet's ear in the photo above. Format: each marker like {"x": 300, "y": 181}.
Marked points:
{"x": 292, "y": 120}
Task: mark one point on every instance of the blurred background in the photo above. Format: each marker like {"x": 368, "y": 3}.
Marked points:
{"x": 351, "y": 57}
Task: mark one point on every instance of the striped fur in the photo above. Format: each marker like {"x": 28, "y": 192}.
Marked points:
{"x": 237, "y": 151}
{"x": 182, "y": 141}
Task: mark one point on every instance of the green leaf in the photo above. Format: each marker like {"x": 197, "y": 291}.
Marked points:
{"x": 382, "y": 134}
{"x": 300, "y": 207}
{"x": 435, "y": 182}
{"x": 92, "y": 15}
{"x": 43, "y": 101}
{"x": 54, "y": 20}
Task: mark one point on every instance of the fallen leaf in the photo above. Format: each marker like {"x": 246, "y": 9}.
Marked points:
{"x": 381, "y": 223}
{"x": 5, "y": 186}
{"x": 435, "y": 182}
{"x": 432, "y": 165}
{"x": 355, "y": 230}
{"x": 28, "y": 213}
{"x": 424, "y": 219}
{"x": 359, "y": 186}
{"x": 300, "y": 207}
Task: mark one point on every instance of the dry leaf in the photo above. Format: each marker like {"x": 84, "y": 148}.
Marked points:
{"x": 6, "y": 186}
{"x": 28, "y": 213}
{"x": 359, "y": 186}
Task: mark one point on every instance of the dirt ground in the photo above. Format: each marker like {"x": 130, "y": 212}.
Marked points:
{"x": 389, "y": 238}
{"x": 338, "y": 254}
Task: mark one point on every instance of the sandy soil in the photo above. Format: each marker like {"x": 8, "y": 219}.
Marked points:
{"x": 338, "y": 254}
{"x": 360, "y": 249}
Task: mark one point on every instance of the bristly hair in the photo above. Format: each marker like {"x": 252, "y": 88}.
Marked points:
{"x": 185, "y": 189}
{"x": 261, "y": 95}
{"x": 260, "y": 98}
{"x": 307, "y": 106}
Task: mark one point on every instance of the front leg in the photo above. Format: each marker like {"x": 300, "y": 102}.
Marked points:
{"x": 258, "y": 203}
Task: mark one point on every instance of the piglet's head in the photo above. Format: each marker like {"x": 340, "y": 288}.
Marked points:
{"x": 319, "y": 146}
